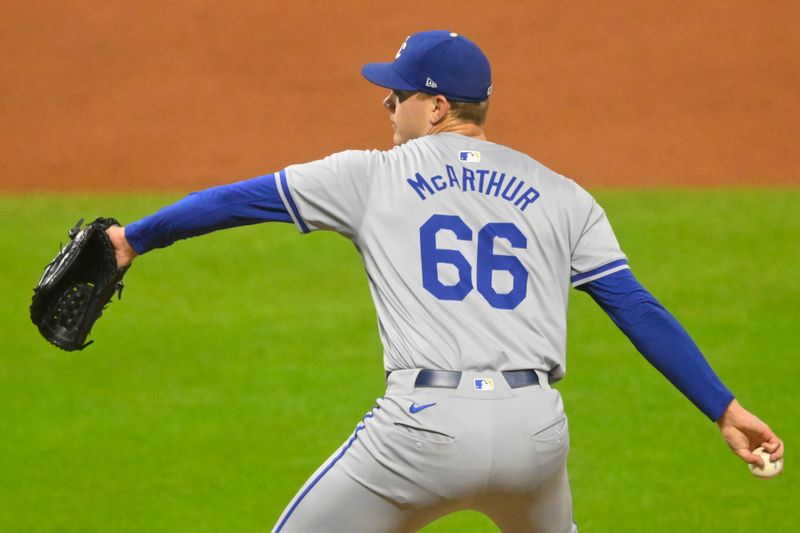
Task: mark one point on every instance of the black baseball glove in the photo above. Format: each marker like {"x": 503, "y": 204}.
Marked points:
{"x": 77, "y": 285}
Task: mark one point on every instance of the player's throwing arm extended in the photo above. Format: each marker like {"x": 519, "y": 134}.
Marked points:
{"x": 471, "y": 248}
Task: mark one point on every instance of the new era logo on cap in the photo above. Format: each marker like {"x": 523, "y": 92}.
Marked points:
{"x": 430, "y": 83}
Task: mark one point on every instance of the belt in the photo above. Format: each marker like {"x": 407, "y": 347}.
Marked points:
{"x": 449, "y": 379}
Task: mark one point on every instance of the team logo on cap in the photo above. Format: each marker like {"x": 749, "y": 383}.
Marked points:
{"x": 402, "y": 47}
{"x": 484, "y": 384}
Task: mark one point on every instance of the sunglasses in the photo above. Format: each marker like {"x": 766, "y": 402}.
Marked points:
{"x": 402, "y": 96}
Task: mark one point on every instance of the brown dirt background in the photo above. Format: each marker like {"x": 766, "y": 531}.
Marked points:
{"x": 125, "y": 96}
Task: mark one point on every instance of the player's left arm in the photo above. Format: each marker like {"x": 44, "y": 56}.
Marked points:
{"x": 328, "y": 194}
{"x": 670, "y": 349}
{"x": 237, "y": 204}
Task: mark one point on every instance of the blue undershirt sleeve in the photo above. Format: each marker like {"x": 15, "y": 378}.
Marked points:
{"x": 660, "y": 339}
{"x": 238, "y": 204}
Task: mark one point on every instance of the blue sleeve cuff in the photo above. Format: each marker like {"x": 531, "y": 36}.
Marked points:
{"x": 288, "y": 200}
{"x": 238, "y": 204}
{"x": 599, "y": 272}
{"x": 661, "y": 339}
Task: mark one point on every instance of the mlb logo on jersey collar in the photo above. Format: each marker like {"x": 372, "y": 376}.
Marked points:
{"x": 469, "y": 156}
{"x": 485, "y": 384}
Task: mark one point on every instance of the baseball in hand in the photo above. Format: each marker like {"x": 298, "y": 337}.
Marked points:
{"x": 769, "y": 469}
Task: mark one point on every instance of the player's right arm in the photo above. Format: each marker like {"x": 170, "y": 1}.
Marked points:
{"x": 743, "y": 431}
{"x": 601, "y": 270}
{"x": 662, "y": 340}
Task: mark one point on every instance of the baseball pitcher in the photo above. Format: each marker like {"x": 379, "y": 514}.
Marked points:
{"x": 471, "y": 249}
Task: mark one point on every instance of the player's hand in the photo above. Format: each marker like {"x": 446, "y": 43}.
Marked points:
{"x": 744, "y": 432}
{"x": 123, "y": 249}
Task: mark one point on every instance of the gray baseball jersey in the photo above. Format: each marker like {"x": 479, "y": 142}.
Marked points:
{"x": 470, "y": 248}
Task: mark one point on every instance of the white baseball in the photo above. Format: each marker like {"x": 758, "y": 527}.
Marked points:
{"x": 769, "y": 469}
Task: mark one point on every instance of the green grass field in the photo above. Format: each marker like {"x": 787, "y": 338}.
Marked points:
{"x": 237, "y": 362}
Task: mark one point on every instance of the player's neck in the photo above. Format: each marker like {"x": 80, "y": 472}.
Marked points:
{"x": 452, "y": 125}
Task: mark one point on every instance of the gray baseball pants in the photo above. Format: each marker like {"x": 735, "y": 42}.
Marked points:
{"x": 487, "y": 447}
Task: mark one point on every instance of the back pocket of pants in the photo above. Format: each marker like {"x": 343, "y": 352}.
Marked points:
{"x": 424, "y": 434}
{"x": 552, "y": 433}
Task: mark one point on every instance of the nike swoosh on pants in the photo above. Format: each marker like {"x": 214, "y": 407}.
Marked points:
{"x": 417, "y": 408}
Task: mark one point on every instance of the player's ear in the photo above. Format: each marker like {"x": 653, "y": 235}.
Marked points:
{"x": 441, "y": 106}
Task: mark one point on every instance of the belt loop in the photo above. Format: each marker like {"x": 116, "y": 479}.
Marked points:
{"x": 544, "y": 379}
{"x": 400, "y": 381}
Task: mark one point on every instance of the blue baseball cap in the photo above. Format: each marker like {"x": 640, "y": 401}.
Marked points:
{"x": 436, "y": 62}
